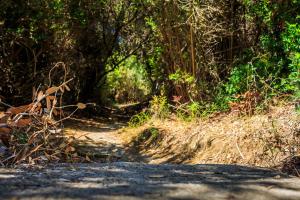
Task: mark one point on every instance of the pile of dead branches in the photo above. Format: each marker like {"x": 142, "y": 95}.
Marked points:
{"x": 33, "y": 133}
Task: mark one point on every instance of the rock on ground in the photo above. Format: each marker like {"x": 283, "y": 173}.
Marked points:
{"x": 122, "y": 180}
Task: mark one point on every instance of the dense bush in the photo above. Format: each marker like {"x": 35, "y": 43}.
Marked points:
{"x": 272, "y": 65}
{"x": 85, "y": 35}
{"x": 205, "y": 52}
{"x": 128, "y": 83}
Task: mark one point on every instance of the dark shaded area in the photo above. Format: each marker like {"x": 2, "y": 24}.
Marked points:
{"x": 142, "y": 181}
{"x": 291, "y": 165}
{"x": 152, "y": 138}
{"x": 85, "y": 35}
{"x": 113, "y": 113}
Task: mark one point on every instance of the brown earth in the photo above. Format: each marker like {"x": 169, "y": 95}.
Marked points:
{"x": 263, "y": 140}
{"x": 216, "y": 158}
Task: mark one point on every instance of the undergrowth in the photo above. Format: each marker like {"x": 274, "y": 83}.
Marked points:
{"x": 139, "y": 119}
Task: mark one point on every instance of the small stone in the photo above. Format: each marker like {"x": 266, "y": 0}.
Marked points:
{"x": 156, "y": 176}
{"x": 63, "y": 180}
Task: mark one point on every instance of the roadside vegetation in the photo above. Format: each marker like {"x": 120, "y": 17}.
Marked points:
{"x": 183, "y": 62}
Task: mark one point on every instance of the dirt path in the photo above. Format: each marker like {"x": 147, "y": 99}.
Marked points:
{"x": 134, "y": 180}
{"x": 97, "y": 131}
{"x": 123, "y": 180}
{"x": 99, "y": 139}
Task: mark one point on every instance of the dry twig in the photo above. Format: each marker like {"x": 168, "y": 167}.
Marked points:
{"x": 32, "y": 132}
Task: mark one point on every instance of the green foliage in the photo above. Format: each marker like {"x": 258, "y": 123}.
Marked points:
{"x": 186, "y": 82}
{"x": 150, "y": 22}
{"x": 273, "y": 67}
{"x": 127, "y": 83}
{"x": 152, "y": 62}
{"x": 189, "y": 111}
{"x": 149, "y": 135}
{"x": 291, "y": 37}
{"x": 180, "y": 77}
{"x": 297, "y": 105}
{"x": 297, "y": 99}
{"x": 85, "y": 35}
{"x": 291, "y": 42}
{"x": 129, "y": 50}
{"x": 240, "y": 78}
{"x": 154, "y": 133}
{"x": 263, "y": 75}
{"x": 292, "y": 82}
{"x": 194, "y": 109}
{"x": 139, "y": 119}
{"x": 159, "y": 107}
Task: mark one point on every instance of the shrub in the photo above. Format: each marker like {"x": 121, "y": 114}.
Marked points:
{"x": 139, "y": 119}
{"x": 159, "y": 107}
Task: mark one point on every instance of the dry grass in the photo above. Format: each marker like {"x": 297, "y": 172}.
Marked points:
{"x": 261, "y": 140}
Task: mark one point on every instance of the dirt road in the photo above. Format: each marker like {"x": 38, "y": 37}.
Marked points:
{"x": 122, "y": 180}
{"x": 134, "y": 180}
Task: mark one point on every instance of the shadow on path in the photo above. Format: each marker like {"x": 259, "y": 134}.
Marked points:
{"x": 122, "y": 180}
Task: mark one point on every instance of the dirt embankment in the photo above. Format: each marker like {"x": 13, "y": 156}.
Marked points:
{"x": 260, "y": 140}
{"x": 264, "y": 140}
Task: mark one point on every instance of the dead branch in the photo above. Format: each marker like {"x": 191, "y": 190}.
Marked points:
{"x": 32, "y": 133}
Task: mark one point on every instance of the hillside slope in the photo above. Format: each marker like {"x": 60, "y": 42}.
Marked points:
{"x": 260, "y": 140}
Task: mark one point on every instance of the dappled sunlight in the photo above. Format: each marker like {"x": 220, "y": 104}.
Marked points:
{"x": 150, "y": 99}
{"x": 149, "y": 181}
